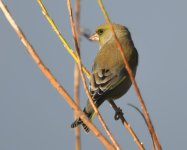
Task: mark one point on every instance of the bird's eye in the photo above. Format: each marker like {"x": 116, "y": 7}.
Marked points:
{"x": 100, "y": 31}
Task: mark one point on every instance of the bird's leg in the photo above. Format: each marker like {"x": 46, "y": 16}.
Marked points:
{"x": 118, "y": 110}
{"x": 118, "y": 113}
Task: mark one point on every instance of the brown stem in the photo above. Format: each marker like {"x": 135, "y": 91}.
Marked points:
{"x": 127, "y": 125}
{"x": 77, "y": 75}
{"x": 142, "y": 115}
{"x": 141, "y": 101}
{"x": 76, "y": 98}
{"x": 84, "y": 80}
{"x": 52, "y": 79}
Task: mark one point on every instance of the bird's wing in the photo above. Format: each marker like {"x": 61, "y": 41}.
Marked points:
{"x": 102, "y": 81}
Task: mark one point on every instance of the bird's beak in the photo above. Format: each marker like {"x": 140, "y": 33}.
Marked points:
{"x": 94, "y": 37}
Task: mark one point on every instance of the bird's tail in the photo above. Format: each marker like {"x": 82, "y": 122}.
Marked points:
{"x": 78, "y": 122}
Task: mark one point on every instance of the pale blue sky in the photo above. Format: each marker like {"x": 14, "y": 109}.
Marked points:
{"x": 33, "y": 116}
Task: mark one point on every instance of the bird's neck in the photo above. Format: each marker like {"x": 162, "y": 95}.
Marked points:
{"x": 122, "y": 39}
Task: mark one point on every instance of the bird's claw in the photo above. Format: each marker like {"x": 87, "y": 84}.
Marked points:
{"x": 118, "y": 113}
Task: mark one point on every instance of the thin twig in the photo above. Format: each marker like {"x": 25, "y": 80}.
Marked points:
{"x": 66, "y": 45}
{"x": 127, "y": 125}
{"x": 77, "y": 74}
{"x": 76, "y": 98}
{"x": 52, "y": 24}
{"x": 51, "y": 78}
{"x": 140, "y": 112}
{"x": 143, "y": 107}
{"x": 84, "y": 80}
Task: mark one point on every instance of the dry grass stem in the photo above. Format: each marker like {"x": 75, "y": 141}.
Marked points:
{"x": 77, "y": 74}
{"x": 84, "y": 80}
{"x": 76, "y": 98}
{"x": 82, "y": 69}
{"x": 142, "y": 115}
{"x": 127, "y": 125}
{"x": 52, "y": 79}
{"x": 143, "y": 107}
{"x": 62, "y": 39}
{"x": 52, "y": 24}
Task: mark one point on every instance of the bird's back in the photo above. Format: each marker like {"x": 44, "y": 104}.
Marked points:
{"x": 109, "y": 57}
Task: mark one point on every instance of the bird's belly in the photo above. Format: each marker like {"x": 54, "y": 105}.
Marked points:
{"x": 120, "y": 90}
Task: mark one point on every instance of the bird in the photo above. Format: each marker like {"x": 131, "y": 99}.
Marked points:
{"x": 109, "y": 78}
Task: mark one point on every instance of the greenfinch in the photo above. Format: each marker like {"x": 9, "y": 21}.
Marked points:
{"x": 109, "y": 77}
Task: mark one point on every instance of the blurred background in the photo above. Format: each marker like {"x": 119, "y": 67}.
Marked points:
{"x": 32, "y": 113}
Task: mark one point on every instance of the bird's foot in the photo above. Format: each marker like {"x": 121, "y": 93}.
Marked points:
{"x": 118, "y": 113}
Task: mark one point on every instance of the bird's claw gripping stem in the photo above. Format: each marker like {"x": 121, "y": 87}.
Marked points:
{"x": 118, "y": 113}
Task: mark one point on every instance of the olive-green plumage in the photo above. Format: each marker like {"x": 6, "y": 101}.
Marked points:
{"x": 109, "y": 78}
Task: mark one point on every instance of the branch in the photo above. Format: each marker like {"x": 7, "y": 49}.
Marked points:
{"x": 77, "y": 74}
{"x": 141, "y": 101}
{"x": 58, "y": 33}
{"x": 142, "y": 115}
{"x": 84, "y": 80}
{"x": 52, "y": 79}
{"x": 127, "y": 125}
{"x": 66, "y": 45}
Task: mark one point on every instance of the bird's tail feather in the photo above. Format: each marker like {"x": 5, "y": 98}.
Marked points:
{"x": 78, "y": 122}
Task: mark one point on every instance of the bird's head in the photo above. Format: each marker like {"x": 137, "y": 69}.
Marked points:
{"x": 103, "y": 33}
